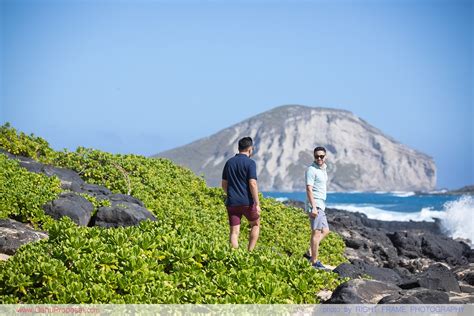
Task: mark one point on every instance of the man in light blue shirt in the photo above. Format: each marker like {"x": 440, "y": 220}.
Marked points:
{"x": 316, "y": 186}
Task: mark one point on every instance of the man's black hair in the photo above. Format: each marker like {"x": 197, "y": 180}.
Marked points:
{"x": 319, "y": 149}
{"x": 245, "y": 143}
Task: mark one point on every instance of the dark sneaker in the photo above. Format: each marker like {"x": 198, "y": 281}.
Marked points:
{"x": 318, "y": 265}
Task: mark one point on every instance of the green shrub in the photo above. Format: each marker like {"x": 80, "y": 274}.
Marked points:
{"x": 151, "y": 263}
{"x": 24, "y": 145}
{"x": 183, "y": 257}
{"x": 95, "y": 202}
{"x": 22, "y": 193}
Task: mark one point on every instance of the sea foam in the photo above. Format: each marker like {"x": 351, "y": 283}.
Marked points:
{"x": 458, "y": 220}
{"x": 426, "y": 214}
{"x": 457, "y": 217}
{"x": 402, "y": 194}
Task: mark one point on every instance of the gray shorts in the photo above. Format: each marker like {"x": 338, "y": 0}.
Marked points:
{"x": 319, "y": 222}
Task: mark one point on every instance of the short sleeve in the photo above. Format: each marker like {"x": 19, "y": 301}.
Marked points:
{"x": 310, "y": 176}
{"x": 252, "y": 170}
{"x": 224, "y": 172}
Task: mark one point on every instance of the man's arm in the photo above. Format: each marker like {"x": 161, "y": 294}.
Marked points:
{"x": 254, "y": 192}
{"x": 309, "y": 194}
{"x": 224, "y": 185}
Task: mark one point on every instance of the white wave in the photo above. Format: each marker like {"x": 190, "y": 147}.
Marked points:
{"x": 459, "y": 218}
{"x": 426, "y": 214}
{"x": 438, "y": 191}
{"x": 402, "y": 194}
{"x": 396, "y": 193}
{"x": 281, "y": 199}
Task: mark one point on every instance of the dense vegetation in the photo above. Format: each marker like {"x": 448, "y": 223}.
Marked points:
{"x": 183, "y": 257}
{"x": 22, "y": 193}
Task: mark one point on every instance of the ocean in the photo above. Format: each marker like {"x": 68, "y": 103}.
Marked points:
{"x": 456, "y": 212}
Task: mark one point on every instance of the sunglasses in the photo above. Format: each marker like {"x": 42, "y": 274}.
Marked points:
{"x": 319, "y": 156}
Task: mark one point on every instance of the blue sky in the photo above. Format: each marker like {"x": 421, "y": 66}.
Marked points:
{"x": 146, "y": 76}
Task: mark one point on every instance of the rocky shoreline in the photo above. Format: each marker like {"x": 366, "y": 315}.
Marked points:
{"x": 399, "y": 262}
{"x": 466, "y": 190}
{"x": 469, "y": 189}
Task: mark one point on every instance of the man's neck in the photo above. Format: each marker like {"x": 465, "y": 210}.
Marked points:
{"x": 246, "y": 153}
{"x": 317, "y": 165}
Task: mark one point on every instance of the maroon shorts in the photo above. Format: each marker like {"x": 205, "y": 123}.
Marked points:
{"x": 235, "y": 213}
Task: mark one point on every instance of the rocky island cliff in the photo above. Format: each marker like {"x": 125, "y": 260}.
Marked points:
{"x": 360, "y": 156}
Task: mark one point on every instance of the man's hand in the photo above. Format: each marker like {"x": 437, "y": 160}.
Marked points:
{"x": 254, "y": 191}
{"x": 257, "y": 207}
{"x": 314, "y": 212}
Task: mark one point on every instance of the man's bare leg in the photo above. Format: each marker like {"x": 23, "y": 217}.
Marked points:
{"x": 234, "y": 236}
{"x": 324, "y": 233}
{"x": 314, "y": 244}
{"x": 254, "y": 233}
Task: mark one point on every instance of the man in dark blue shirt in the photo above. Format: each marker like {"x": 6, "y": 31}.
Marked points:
{"x": 239, "y": 181}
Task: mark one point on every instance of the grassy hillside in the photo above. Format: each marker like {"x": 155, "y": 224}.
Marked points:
{"x": 183, "y": 257}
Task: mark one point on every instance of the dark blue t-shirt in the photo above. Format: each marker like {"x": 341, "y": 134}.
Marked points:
{"x": 238, "y": 170}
